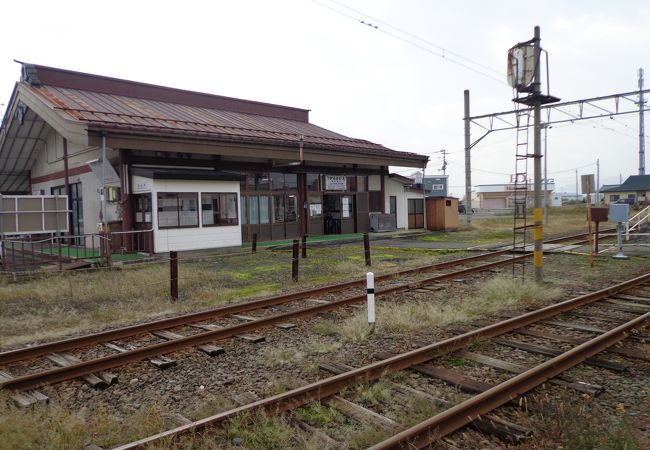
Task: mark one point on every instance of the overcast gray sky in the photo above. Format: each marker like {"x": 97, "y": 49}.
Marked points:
{"x": 359, "y": 80}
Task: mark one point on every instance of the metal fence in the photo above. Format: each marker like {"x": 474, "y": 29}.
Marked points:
{"x": 27, "y": 253}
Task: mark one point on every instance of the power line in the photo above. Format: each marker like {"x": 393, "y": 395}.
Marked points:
{"x": 572, "y": 169}
{"x": 442, "y": 53}
{"x": 439, "y": 47}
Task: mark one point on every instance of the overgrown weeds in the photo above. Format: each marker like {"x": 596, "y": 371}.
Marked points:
{"x": 496, "y": 294}
{"x": 49, "y": 305}
{"x": 498, "y": 228}
{"x": 56, "y": 428}
{"x": 583, "y": 427}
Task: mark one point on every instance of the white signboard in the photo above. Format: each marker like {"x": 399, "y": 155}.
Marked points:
{"x": 141, "y": 184}
{"x": 335, "y": 182}
{"x": 346, "y": 207}
{"x": 315, "y": 209}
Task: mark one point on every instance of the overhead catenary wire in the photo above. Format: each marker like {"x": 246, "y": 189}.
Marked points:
{"x": 441, "y": 48}
{"x": 410, "y": 39}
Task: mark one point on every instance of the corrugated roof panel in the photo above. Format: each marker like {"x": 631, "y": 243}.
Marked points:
{"x": 105, "y": 110}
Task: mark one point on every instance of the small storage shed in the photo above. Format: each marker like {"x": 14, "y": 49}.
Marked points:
{"x": 442, "y": 213}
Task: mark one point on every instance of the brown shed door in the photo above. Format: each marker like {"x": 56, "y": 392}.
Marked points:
{"x": 415, "y": 213}
{"x": 361, "y": 214}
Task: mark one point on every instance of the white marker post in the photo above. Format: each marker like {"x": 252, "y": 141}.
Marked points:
{"x": 370, "y": 282}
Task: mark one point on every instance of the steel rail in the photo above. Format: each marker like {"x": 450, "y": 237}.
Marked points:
{"x": 172, "y": 322}
{"x": 332, "y": 385}
{"x": 450, "y": 420}
{"x": 119, "y": 333}
{"x": 108, "y": 362}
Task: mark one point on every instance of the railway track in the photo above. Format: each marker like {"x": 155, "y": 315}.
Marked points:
{"x": 185, "y": 331}
{"x": 623, "y": 310}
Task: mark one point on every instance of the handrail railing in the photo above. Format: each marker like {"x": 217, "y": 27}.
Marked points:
{"x": 18, "y": 251}
{"x": 640, "y": 217}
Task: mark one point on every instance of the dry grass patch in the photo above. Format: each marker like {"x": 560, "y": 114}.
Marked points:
{"x": 496, "y": 294}
{"x": 51, "y": 305}
{"x": 263, "y": 432}
{"x": 584, "y": 426}
{"x": 374, "y": 392}
{"x": 278, "y": 357}
{"x": 52, "y": 427}
{"x": 563, "y": 220}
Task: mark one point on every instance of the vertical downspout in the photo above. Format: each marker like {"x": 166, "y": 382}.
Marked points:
{"x": 66, "y": 178}
{"x": 382, "y": 189}
{"x": 304, "y": 203}
{"x": 103, "y": 196}
{"x": 302, "y": 193}
{"x": 125, "y": 197}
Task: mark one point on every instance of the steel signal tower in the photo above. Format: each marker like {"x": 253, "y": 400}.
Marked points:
{"x": 525, "y": 77}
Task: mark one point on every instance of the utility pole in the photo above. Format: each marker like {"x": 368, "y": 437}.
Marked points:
{"x": 641, "y": 126}
{"x": 537, "y": 162}
{"x": 468, "y": 164}
{"x": 444, "y": 160}
{"x": 577, "y": 192}
{"x": 546, "y": 196}
{"x": 597, "y": 184}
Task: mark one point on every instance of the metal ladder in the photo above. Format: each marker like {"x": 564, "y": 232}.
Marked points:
{"x": 520, "y": 192}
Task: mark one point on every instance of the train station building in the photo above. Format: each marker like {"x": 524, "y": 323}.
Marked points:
{"x": 196, "y": 170}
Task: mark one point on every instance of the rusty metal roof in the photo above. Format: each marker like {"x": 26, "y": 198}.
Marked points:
{"x": 108, "y": 103}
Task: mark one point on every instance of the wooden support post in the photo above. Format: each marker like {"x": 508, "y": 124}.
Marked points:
{"x": 4, "y": 255}
{"x": 294, "y": 261}
{"x": 591, "y": 236}
{"x": 173, "y": 274}
{"x": 366, "y": 248}
{"x": 254, "y": 246}
{"x": 60, "y": 255}
{"x": 304, "y": 246}
{"x": 109, "y": 250}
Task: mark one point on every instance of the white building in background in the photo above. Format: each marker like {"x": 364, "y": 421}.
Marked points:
{"x": 502, "y": 196}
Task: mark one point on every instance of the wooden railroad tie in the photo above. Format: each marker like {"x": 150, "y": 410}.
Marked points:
{"x": 161, "y": 362}
{"x": 253, "y": 338}
{"x": 548, "y": 351}
{"x": 623, "y": 351}
{"x": 100, "y": 380}
{"x": 27, "y": 398}
{"x": 461, "y": 381}
{"x": 283, "y": 326}
{"x": 488, "y": 424}
{"x": 208, "y": 349}
{"x": 579, "y": 386}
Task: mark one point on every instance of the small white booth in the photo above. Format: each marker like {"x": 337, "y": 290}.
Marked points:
{"x": 187, "y": 210}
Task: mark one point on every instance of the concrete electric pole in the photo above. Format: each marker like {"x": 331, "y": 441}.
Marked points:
{"x": 444, "y": 160}
{"x": 468, "y": 163}
{"x": 641, "y": 126}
